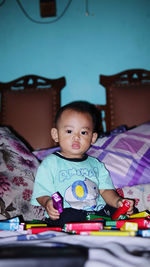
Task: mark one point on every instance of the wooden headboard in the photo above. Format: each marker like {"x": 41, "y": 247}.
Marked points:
{"x": 127, "y": 98}
{"x": 29, "y": 105}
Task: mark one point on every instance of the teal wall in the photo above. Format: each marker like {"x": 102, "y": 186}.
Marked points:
{"x": 113, "y": 37}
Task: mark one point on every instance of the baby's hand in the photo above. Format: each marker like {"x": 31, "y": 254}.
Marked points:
{"x": 130, "y": 210}
{"x": 52, "y": 212}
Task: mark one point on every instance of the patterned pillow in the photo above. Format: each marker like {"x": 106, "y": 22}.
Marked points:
{"x": 140, "y": 193}
{"x": 126, "y": 156}
{"x": 17, "y": 171}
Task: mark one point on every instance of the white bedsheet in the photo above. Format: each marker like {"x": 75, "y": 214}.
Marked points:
{"x": 104, "y": 251}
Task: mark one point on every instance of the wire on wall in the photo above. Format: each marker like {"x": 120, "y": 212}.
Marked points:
{"x": 2, "y": 3}
{"x": 86, "y": 8}
{"x": 43, "y": 22}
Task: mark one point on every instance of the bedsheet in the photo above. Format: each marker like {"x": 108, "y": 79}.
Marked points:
{"x": 103, "y": 251}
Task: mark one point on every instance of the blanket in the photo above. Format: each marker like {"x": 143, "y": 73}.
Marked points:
{"x": 103, "y": 251}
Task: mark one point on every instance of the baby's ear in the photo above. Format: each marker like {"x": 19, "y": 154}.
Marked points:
{"x": 94, "y": 138}
{"x": 54, "y": 134}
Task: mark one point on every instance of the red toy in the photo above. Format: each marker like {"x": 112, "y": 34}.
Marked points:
{"x": 121, "y": 210}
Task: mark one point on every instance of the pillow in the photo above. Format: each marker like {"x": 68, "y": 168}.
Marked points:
{"x": 140, "y": 193}
{"x": 126, "y": 156}
{"x": 17, "y": 171}
{"x": 41, "y": 154}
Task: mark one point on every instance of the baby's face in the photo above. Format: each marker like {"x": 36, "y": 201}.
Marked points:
{"x": 75, "y": 133}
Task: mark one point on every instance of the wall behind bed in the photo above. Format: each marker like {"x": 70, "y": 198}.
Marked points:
{"x": 85, "y": 39}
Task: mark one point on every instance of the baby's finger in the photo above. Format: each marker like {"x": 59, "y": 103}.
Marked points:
{"x": 54, "y": 214}
{"x": 54, "y": 217}
{"x": 130, "y": 211}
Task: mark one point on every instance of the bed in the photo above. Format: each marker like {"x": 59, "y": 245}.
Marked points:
{"x": 28, "y": 108}
{"x": 29, "y": 105}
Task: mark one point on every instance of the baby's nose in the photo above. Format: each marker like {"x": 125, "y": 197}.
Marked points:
{"x": 76, "y": 136}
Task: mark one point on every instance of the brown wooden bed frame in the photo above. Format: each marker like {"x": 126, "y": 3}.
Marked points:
{"x": 127, "y": 98}
{"x": 29, "y": 105}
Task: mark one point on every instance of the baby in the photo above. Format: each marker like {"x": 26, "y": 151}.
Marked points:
{"x": 83, "y": 181}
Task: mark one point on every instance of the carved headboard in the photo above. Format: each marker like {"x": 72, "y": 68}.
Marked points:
{"x": 127, "y": 98}
{"x": 29, "y": 105}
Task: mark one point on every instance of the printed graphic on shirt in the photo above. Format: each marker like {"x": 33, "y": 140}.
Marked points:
{"x": 65, "y": 175}
{"x": 82, "y": 195}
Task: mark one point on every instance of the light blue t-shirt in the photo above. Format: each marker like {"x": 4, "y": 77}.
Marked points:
{"x": 77, "y": 180}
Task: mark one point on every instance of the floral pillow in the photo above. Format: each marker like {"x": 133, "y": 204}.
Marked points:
{"x": 17, "y": 171}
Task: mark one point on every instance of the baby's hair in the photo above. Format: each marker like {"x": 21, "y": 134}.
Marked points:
{"x": 84, "y": 107}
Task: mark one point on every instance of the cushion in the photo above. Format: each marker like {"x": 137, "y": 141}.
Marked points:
{"x": 17, "y": 172}
{"x": 126, "y": 156}
{"x": 140, "y": 193}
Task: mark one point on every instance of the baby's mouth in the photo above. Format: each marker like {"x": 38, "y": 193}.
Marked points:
{"x": 75, "y": 145}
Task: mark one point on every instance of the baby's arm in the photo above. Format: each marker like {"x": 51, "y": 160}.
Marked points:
{"x": 113, "y": 199}
{"x": 47, "y": 203}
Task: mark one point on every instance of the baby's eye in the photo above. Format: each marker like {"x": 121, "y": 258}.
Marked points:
{"x": 69, "y": 131}
{"x": 84, "y": 132}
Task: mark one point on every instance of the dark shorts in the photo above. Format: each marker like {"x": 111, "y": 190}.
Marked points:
{"x": 74, "y": 215}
